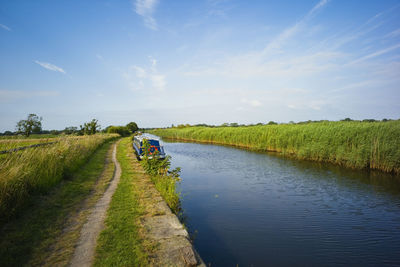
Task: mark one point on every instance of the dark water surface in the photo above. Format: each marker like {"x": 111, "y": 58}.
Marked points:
{"x": 258, "y": 209}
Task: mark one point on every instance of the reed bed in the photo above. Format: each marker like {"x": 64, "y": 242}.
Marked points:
{"x": 354, "y": 144}
{"x": 36, "y": 170}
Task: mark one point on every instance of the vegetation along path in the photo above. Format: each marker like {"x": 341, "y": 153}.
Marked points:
{"x": 45, "y": 232}
{"x": 84, "y": 251}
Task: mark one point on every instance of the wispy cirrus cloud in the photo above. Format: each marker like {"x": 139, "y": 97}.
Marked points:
{"x": 141, "y": 78}
{"x": 376, "y": 54}
{"x": 5, "y": 27}
{"x": 146, "y": 8}
{"x": 292, "y": 30}
{"x": 50, "y": 66}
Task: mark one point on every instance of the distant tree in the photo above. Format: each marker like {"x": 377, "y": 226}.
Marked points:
{"x": 89, "y": 128}
{"x": 234, "y": 124}
{"x": 201, "y": 125}
{"x": 347, "y": 119}
{"x": 33, "y": 124}
{"x": 225, "y": 124}
{"x": 8, "y": 133}
{"x": 121, "y": 130}
{"x": 70, "y": 130}
{"x": 132, "y": 126}
{"x": 272, "y": 123}
{"x": 54, "y": 132}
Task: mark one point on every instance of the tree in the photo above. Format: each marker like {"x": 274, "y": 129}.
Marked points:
{"x": 89, "y": 128}
{"x": 121, "y": 130}
{"x": 70, "y": 130}
{"x": 132, "y": 126}
{"x": 33, "y": 124}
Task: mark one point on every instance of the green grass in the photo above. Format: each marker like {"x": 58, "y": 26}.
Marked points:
{"x": 6, "y": 144}
{"x": 359, "y": 145}
{"x": 37, "y": 170}
{"x": 32, "y": 136}
{"x": 167, "y": 187}
{"x": 29, "y": 238}
{"x": 120, "y": 243}
{"x": 164, "y": 179}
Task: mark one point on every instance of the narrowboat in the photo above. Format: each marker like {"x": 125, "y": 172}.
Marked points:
{"x": 155, "y": 147}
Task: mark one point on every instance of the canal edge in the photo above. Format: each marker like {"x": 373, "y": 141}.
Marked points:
{"x": 161, "y": 226}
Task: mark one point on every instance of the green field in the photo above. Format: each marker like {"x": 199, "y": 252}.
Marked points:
{"x": 353, "y": 144}
{"x": 36, "y": 170}
{"x": 45, "y": 234}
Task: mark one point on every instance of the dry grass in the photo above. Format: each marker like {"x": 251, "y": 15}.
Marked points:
{"x": 36, "y": 170}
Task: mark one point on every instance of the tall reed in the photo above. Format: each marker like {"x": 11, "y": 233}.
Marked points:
{"x": 36, "y": 170}
{"x": 354, "y": 144}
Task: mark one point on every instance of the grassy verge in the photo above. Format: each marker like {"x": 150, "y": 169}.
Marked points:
{"x": 163, "y": 178}
{"x": 120, "y": 243}
{"x": 36, "y": 170}
{"x": 373, "y": 145}
{"x": 38, "y": 235}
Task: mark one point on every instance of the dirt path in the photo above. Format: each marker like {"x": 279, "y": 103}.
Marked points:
{"x": 85, "y": 249}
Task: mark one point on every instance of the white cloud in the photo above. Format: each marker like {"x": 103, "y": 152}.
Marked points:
{"x": 158, "y": 81}
{"x": 5, "y": 27}
{"x": 393, "y": 34}
{"x": 291, "y": 31}
{"x": 140, "y": 78}
{"x": 50, "y": 66}
{"x": 253, "y": 103}
{"x": 375, "y": 54}
{"x": 145, "y": 8}
{"x": 140, "y": 72}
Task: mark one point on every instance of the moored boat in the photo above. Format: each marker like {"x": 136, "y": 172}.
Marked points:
{"x": 155, "y": 147}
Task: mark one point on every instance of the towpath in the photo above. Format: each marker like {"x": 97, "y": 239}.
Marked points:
{"x": 85, "y": 249}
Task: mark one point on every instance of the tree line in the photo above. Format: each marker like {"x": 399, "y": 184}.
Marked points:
{"x": 33, "y": 125}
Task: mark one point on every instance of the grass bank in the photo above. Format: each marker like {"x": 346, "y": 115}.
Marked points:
{"x": 163, "y": 177}
{"x": 35, "y": 171}
{"x": 38, "y": 236}
{"x": 120, "y": 243}
{"x": 353, "y": 144}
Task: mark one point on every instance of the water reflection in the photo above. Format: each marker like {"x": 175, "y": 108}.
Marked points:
{"x": 257, "y": 209}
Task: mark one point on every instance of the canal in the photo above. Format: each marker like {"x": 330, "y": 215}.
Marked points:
{"x": 257, "y": 209}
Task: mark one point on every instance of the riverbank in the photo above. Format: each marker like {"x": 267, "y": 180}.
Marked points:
{"x": 140, "y": 229}
{"x": 352, "y": 144}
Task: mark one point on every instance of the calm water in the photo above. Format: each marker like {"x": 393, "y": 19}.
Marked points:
{"x": 257, "y": 209}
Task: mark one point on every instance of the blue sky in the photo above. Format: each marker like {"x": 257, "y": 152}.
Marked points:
{"x": 161, "y": 62}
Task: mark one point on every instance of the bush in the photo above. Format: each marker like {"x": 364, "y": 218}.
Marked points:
{"x": 121, "y": 130}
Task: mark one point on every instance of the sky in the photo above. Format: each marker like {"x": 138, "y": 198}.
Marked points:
{"x": 159, "y": 62}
